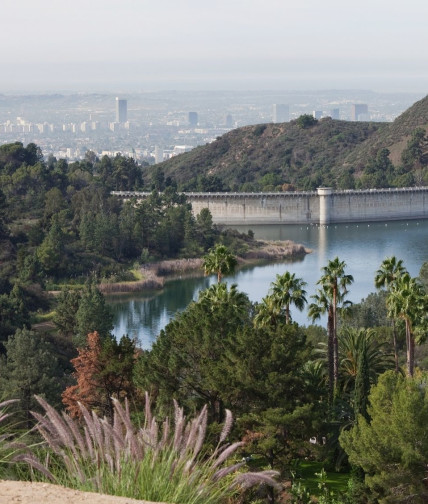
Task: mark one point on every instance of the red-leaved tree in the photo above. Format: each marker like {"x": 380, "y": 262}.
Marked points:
{"x": 103, "y": 369}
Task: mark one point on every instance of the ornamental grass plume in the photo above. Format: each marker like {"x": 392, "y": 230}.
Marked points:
{"x": 6, "y": 447}
{"x": 157, "y": 462}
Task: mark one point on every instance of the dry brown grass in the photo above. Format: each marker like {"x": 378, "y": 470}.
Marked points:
{"x": 175, "y": 266}
{"x": 153, "y": 275}
{"x": 150, "y": 281}
{"x": 277, "y": 250}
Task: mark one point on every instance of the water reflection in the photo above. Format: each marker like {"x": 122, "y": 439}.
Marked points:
{"x": 362, "y": 246}
{"x": 142, "y": 316}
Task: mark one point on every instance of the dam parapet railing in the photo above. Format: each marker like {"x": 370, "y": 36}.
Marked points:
{"x": 323, "y": 206}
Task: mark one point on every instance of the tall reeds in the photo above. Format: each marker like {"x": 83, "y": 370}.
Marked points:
{"x": 6, "y": 447}
{"x": 163, "y": 462}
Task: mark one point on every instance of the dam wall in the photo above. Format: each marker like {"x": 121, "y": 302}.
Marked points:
{"x": 259, "y": 208}
{"x": 323, "y": 206}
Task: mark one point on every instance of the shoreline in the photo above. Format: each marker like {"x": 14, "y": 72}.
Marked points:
{"x": 158, "y": 273}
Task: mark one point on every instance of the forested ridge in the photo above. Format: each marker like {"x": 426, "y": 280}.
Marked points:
{"x": 307, "y": 153}
{"x": 59, "y": 225}
{"x": 334, "y": 414}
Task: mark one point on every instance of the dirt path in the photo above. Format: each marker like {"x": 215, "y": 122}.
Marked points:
{"x": 22, "y": 492}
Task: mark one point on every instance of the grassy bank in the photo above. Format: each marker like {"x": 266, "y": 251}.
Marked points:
{"x": 153, "y": 276}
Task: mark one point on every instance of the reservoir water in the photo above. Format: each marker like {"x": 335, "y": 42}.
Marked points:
{"x": 362, "y": 246}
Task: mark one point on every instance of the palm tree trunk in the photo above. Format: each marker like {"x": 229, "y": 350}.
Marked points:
{"x": 410, "y": 340}
{"x": 412, "y": 354}
{"x": 335, "y": 344}
{"x": 330, "y": 355}
{"x": 394, "y": 339}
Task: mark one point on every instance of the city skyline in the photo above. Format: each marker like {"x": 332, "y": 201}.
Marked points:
{"x": 256, "y": 44}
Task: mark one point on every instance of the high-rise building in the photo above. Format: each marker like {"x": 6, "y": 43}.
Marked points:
{"x": 359, "y": 112}
{"x": 121, "y": 110}
{"x": 334, "y": 113}
{"x": 280, "y": 113}
{"x": 229, "y": 121}
{"x": 193, "y": 119}
{"x": 158, "y": 154}
{"x": 317, "y": 114}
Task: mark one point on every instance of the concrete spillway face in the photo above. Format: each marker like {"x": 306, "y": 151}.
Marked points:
{"x": 324, "y": 194}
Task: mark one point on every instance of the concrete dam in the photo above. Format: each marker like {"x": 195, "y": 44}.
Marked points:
{"x": 323, "y": 206}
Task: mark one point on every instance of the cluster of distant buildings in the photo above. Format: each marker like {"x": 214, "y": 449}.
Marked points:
{"x": 359, "y": 112}
{"x": 144, "y": 140}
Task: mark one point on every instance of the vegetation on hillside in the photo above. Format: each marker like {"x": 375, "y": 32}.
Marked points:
{"x": 350, "y": 396}
{"x": 60, "y": 227}
{"x": 307, "y": 153}
{"x": 296, "y": 397}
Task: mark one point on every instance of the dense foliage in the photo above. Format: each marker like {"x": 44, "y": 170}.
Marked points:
{"x": 298, "y": 393}
{"x": 391, "y": 446}
{"x": 59, "y": 226}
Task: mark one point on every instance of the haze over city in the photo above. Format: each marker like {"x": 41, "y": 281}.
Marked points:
{"x": 136, "y": 45}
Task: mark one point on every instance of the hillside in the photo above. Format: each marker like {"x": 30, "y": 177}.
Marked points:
{"x": 301, "y": 154}
{"x": 394, "y": 137}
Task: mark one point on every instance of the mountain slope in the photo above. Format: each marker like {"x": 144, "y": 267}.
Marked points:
{"x": 394, "y": 137}
{"x": 299, "y": 154}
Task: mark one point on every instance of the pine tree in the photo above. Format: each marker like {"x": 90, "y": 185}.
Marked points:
{"x": 92, "y": 315}
{"x": 29, "y": 368}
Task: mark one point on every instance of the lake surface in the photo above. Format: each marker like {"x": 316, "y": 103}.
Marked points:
{"x": 362, "y": 246}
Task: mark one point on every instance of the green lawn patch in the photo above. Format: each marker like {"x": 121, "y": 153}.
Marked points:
{"x": 336, "y": 482}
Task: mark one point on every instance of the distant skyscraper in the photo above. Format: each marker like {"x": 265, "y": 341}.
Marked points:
{"x": 158, "y": 154}
{"x": 121, "y": 110}
{"x": 334, "y": 113}
{"x": 359, "y": 112}
{"x": 317, "y": 114}
{"x": 280, "y": 113}
{"x": 193, "y": 119}
{"x": 229, "y": 121}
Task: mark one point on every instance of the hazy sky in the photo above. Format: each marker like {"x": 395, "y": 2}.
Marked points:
{"x": 213, "y": 44}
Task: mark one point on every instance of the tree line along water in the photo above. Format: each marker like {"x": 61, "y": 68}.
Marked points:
{"x": 362, "y": 246}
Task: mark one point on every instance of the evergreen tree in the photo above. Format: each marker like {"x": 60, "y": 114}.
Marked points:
{"x": 65, "y": 313}
{"x": 186, "y": 360}
{"x": 362, "y": 385}
{"x": 13, "y": 312}
{"x": 4, "y": 232}
{"x": 30, "y": 367}
{"x": 51, "y": 252}
{"x": 392, "y": 446}
{"x": 92, "y": 315}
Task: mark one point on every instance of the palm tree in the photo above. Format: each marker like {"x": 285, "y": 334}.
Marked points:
{"x": 353, "y": 343}
{"x": 287, "y": 290}
{"x": 334, "y": 287}
{"x": 268, "y": 313}
{"x": 408, "y": 301}
{"x": 284, "y": 291}
{"x": 390, "y": 270}
{"x": 320, "y": 306}
{"x": 220, "y": 261}
{"x": 219, "y": 295}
